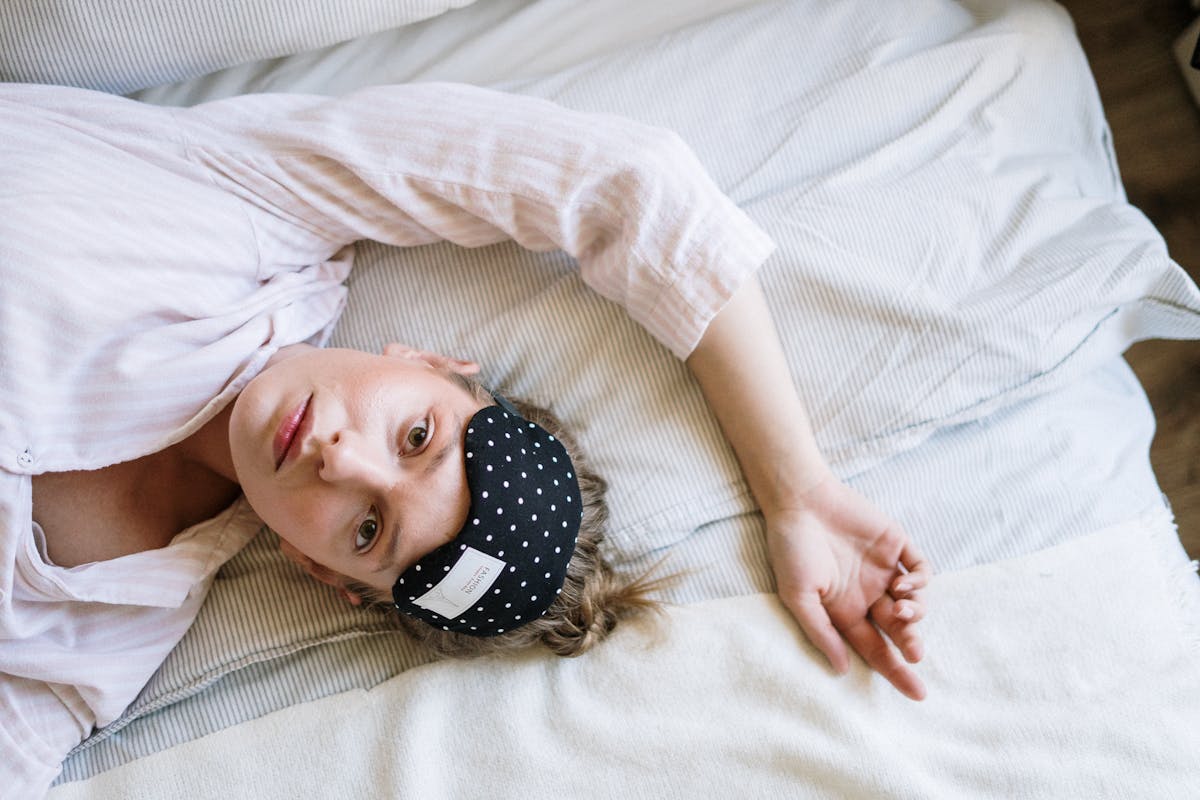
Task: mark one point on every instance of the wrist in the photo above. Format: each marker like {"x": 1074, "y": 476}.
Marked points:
{"x": 791, "y": 486}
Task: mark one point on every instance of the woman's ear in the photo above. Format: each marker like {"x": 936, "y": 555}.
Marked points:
{"x": 319, "y": 572}
{"x": 461, "y": 366}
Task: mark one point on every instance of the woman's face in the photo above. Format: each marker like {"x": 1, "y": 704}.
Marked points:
{"x": 356, "y": 459}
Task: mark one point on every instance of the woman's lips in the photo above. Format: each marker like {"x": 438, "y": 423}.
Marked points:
{"x": 290, "y": 433}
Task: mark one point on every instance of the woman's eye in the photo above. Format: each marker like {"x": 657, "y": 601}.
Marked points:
{"x": 418, "y": 435}
{"x": 368, "y": 529}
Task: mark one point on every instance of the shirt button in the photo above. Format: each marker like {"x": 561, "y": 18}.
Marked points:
{"x": 26, "y": 458}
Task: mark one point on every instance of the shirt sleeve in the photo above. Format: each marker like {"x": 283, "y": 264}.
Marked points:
{"x": 40, "y": 728}
{"x": 418, "y": 163}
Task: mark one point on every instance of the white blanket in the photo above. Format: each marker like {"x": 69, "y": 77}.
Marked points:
{"x": 1101, "y": 698}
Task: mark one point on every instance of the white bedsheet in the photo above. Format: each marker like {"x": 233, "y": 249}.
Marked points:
{"x": 1069, "y": 673}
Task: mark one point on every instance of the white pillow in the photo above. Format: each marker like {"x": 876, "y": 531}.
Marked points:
{"x": 123, "y": 45}
{"x": 953, "y": 237}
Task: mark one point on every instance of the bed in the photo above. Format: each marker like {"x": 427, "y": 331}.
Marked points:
{"x": 958, "y": 274}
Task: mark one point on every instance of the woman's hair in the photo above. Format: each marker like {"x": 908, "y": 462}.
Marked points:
{"x": 593, "y": 598}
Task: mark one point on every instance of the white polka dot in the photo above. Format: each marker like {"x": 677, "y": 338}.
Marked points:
{"x": 525, "y": 543}
{"x": 495, "y": 592}
{"x": 489, "y": 537}
{"x": 500, "y": 554}
{"x": 520, "y": 501}
{"x": 489, "y": 419}
{"x": 512, "y": 569}
{"x": 489, "y": 467}
{"x": 539, "y": 491}
{"x": 512, "y": 527}
{"x": 499, "y": 511}
{"x": 470, "y": 430}
{"x": 552, "y": 438}
{"x": 479, "y": 608}
{"x": 506, "y": 484}
{"x": 547, "y": 574}
{"x": 446, "y": 569}
{"x": 491, "y": 443}
{"x": 484, "y": 493}
{"x": 553, "y": 507}
{"x": 537, "y": 559}
{"x": 564, "y": 523}
{"x": 533, "y": 517}
{"x": 533, "y": 598}
{"x": 475, "y": 521}
{"x": 417, "y": 567}
{"x": 523, "y": 584}
{"x": 558, "y": 549}
{"x": 508, "y": 605}
{"x": 470, "y": 454}
{"x": 518, "y": 616}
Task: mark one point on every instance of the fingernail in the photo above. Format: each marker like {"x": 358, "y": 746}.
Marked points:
{"x": 904, "y": 587}
{"x": 905, "y": 613}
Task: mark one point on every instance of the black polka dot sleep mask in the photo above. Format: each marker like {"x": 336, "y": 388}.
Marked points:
{"x": 508, "y": 563}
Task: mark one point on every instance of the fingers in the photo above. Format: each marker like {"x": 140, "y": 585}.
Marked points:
{"x": 810, "y": 612}
{"x": 898, "y": 618}
{"x": 869, "y": 643}
{"x": 918, "y": 569}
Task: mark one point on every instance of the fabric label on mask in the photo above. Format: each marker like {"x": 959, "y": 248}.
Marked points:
{"x": 465, "y": 584}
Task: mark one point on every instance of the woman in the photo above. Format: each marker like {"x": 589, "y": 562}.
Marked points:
{"x": 167, "y": 274}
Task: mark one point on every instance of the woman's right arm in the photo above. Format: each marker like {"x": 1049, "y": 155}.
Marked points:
{"x": 418, "y": 163}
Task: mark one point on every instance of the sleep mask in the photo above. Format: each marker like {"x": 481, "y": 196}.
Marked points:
{"x": 508, "y": 563}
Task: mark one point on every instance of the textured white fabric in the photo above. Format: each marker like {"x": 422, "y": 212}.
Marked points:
{"x": 1101, "y": 698}
{"x": 152, "y": 261}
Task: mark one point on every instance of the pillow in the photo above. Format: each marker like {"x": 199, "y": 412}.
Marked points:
{"x": 953, "y": 238}
{"x": 123, "y": 45}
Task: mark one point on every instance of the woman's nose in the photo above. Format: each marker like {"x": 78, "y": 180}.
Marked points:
{"x": 346, "y": 458}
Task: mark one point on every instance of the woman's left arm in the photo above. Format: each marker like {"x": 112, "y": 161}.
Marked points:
{"x": 845, "y": 570}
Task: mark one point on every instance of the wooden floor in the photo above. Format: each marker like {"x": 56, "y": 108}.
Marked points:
{"x": 1156, "y": 131}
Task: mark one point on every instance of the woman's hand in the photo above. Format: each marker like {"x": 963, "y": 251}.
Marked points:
{"x": 845, "y": 570}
